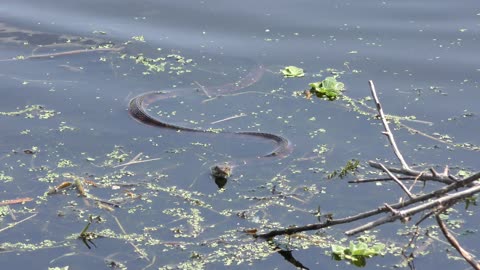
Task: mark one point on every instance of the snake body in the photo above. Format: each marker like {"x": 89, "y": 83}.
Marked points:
{"x": 138, "y": 109}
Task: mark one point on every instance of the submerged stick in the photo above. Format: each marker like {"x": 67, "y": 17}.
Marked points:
{"x": 229, "y": 118}
{"x": 66, "y": 53}
{"x": 11, "y": 225}
{"x": 142, "y": 253}
{"x": 136, "y": 162}
{"x": 135, "y": 158}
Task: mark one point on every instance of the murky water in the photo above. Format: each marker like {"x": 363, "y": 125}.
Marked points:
{"x": 68, "y": 107}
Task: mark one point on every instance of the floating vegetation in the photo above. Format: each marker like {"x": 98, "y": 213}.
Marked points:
{"x": 32, "y": 111}
{"x": 292, "y": 72}
{"x": 172, "y": 63}
{"x": 139, "y": 38}
{"x": 64, "y": 163}
{"x": 116, "y": 156}
{"x": 194, "y": 219}
{"x": 21, "y": 246}
{"x": 5, "y": 178}
{"x": 329, "y": 88}
{"x": 63, "y": 127}
{"x": 357, "y": 252}
{"x": 349, "y": 168}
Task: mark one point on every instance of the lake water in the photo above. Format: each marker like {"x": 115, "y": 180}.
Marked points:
{"x": 65, "y": 119}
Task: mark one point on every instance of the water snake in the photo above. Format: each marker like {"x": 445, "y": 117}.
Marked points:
{"x": 138, "y": 109}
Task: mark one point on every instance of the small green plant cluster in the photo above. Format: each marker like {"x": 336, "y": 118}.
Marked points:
{"x": 329, "y": 88}
{"x": 357, "y": 253}
{"x": 292, "y": 72}
{"x": 350, "y": 167}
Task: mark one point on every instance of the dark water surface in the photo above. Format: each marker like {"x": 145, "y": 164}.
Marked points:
{"x": 422, "y": 55}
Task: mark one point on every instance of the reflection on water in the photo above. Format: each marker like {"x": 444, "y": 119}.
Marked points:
{"x": 69, "y": 70}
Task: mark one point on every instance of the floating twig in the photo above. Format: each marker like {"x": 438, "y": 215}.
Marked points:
{"x": 11, "y": 225}
{"x": 140, "y": 252}
{"x": 66, "y": 53}
{"x": 136, "y": 162}
{"x": 204, "y": 90}
{"x": 135, "y": 158}
{"x": 15, "y": 201}
{"x": 229, "y": 118}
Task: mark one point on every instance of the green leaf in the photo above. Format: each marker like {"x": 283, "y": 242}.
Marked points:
{"x": 358, "y": 249}
{"x": 292, "y": 72}
{"x": 357, "y": 252}
{"x": 337, "y": 249}
{"x": 329, "y": 88}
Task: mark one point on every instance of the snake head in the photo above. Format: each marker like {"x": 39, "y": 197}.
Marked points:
{"x": 221, "y": 171}
{"x": 220, "y": 174}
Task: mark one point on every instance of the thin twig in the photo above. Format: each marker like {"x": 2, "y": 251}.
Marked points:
{"x": 244, "y": 93}
{"x": 229, "y": 118}
{"x": 11, "y": 225}
{"x": 135, "y": 158}
{"x": 151, "y": 263}
{"x": 66, "y": 53}
{"x": 416, "y": 131}
{"x": 451, "y": 239}
{"x": 12, "y": 215}
{"x": 387, "y": 132}
{"x": 397, "y": 181}
{"x": 140, "y": 252}
{"x": 369, "y": 180}
{"x": 204, "y": 90}
{"x": 416, "y": 180}
{"x": 446, "y": 179}
{"x": 136, "y": 162}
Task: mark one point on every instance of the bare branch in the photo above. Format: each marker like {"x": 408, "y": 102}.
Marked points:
{"x": 447, "y": 199}
{"x": 368, "y": 180}
{"x": 446, "y": 179}
{"x": 451, "y": 239}
{"x": 465, "y": 182}
{"x": 387, "y": 132}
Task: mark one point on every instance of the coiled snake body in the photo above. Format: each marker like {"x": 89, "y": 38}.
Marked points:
{"x": 138, "y": 109}
{"x": 139, "y": 105}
